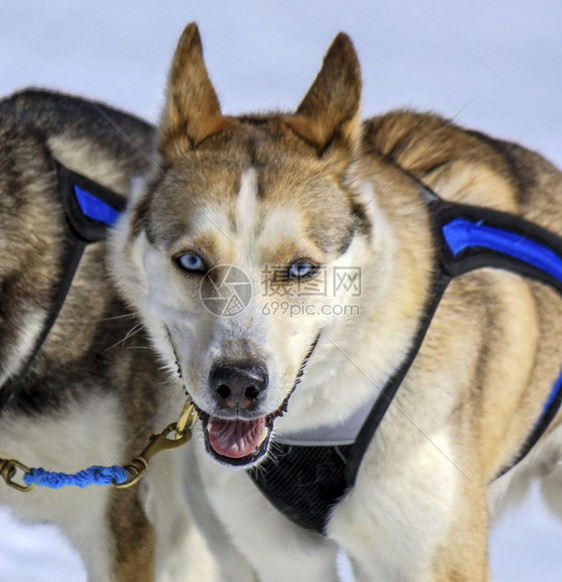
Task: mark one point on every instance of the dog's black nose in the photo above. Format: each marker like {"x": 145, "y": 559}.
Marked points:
{"x": 238, "y": 386}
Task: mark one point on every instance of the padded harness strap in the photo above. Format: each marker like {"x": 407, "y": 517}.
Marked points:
{"x": 89, "y": 209}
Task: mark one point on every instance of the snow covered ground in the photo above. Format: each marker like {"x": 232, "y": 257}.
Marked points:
{"x": 495, "y": 66}
{"x": 525, "y": 547}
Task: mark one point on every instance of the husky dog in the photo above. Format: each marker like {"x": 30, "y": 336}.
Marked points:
{"x": 93, "y": 391}
{"x": 278, "y": 204}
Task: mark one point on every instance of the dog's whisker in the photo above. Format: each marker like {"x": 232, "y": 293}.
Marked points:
{"x": 134, "y": 330}
{"x": 139, "y": 348}
{"x": 168, "y": 382}
{"x": 124, "y": 316}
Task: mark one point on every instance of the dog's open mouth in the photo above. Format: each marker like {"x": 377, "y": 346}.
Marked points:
{"x": 241, "y": 441}
{"x": 237, "y": 441}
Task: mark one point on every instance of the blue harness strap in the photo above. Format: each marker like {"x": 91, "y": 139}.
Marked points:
{"x": 480, "y": 237}
{"x": 95, "y": 208}
{"x": 472, "y": 237}
{"x": 556, "y": 390}
{"x": 90, "y": 208}
{"x": 461, "y": 234}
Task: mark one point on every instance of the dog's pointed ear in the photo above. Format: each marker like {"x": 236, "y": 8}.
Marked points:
{"x": 192, "y": 110}
{"x": 330, "y": 112}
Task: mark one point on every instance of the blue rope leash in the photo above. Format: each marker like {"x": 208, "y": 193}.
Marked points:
{"x": 116, "y": 475}
{"x": 94, "y": 475}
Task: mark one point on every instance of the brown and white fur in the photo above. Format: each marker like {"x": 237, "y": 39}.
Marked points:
{"x": 94, "y": 391}
{"x": 324, "y": 188}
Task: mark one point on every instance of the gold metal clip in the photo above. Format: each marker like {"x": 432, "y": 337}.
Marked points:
{"x": 187, "y": 419}
{"x": 8, "y": 471}
{"x": 160, "y": 442}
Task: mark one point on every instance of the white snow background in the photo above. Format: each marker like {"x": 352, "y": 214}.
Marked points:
{"x": 493, "y": 65}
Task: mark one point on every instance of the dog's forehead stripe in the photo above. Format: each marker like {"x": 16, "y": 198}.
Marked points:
{"x": 246, "y": 204}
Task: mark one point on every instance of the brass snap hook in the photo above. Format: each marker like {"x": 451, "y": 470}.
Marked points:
{"x": 160, "y": 442}
{"x": 9, "y": 469}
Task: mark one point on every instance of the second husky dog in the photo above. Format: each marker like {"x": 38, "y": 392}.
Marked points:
{"x": 93, "y": 390}
{"x": 232, "y": 255}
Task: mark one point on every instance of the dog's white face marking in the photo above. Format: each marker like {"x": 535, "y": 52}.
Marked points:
{"x": 246, "y": 207}
{"x": 280, "y": 224}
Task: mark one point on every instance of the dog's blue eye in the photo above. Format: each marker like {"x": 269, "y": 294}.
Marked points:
{"x": 191, "y": 262}
{"x": 300, "y": 269}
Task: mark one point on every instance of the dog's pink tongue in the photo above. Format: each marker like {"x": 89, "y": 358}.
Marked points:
{"x": 235, "y": 438}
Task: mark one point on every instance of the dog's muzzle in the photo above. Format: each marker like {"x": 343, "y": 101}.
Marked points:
{"x": 235, "y": 433}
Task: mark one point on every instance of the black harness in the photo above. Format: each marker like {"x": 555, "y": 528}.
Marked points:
{"x": 89, "y": 210}
{"x": 305, "y": 482}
